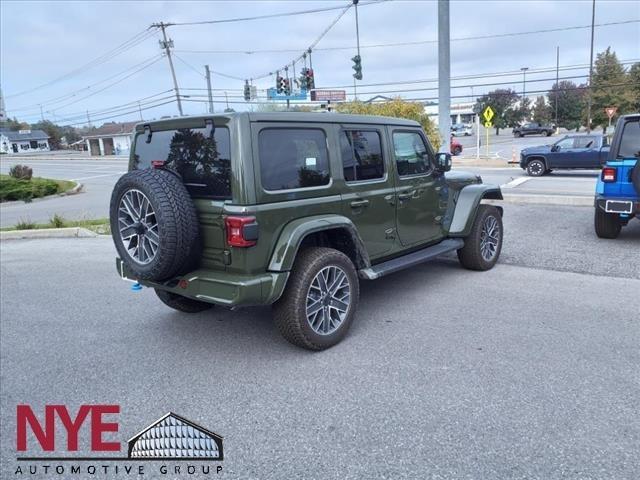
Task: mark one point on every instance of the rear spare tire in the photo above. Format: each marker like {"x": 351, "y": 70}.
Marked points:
{"x": 154, "y": 224}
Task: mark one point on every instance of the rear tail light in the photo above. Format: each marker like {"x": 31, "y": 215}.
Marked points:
{"x": 241, "y": 231}
{"x": 157, "y": 163}
{"x": 609, "y": 174}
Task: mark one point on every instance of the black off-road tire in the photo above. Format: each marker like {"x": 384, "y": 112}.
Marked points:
{"x": 182, "y": 304}
{"x": 635, "y": 177}
{"x": 470, "y": 256}
{"x": 607, "y": 225}
{"x": 176, "y": 218}
{"x": 536, "y": 168}
{"x": 289, "y": 311}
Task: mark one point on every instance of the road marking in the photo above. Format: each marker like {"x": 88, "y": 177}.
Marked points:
{"x": 514, "y": 183}
{"x": 97, "y": 176}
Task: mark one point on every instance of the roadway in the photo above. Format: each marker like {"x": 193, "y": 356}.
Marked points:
{"x": 529, "y": 370}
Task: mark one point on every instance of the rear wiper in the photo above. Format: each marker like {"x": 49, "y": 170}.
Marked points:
{"x": 212, "y": 128}
{"x": 147, "y": 130}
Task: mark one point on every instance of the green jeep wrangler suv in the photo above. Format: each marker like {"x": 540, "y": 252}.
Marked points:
{"x": 292, "y": 209}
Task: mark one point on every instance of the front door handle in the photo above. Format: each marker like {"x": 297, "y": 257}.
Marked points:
{"x": 405, "y": 196}
{"x": 359, "y": 203}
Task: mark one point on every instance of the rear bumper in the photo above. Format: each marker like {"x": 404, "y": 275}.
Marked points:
{"x": 600, "y": 203}
{"x": 220, "y": 288}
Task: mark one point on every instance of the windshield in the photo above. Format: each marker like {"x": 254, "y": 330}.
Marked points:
{"x": 203, "y": 162}
{"x": 630, "y": 140}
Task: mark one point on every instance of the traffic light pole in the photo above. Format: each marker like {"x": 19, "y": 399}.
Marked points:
{"x": 444, "y": 76}
{"x": 589, "y": 91}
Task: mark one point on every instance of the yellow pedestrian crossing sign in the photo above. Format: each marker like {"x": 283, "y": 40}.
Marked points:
{"x": 488, "y": 114}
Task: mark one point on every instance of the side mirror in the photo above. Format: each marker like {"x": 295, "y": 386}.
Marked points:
{"x": 555, "y": 148}
{"x": 443, "y": 162}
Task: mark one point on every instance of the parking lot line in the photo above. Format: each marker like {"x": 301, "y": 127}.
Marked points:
{"x": 514, "y": 183}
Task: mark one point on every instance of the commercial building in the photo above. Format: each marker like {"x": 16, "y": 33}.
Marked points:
{"x": 110, "y": 139}
{"x": 23, "y": 141}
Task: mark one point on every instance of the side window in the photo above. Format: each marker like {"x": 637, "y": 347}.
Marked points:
{"x": 585, "y": 142}
{"x": 565, "y": 143}
{"x": 293, "y": 158}
{"x": 361, "y": 155}
{"x": 411, "y": 153}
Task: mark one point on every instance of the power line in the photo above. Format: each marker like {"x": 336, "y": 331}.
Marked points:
{"x": 273, "y": 15}
{"x": 136, "y": 110}
{"x": 417, "y": 42}
{"x": 125, "y": 46}
{"x": 69, "y": 95}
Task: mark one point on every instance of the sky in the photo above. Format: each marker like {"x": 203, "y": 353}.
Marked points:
{"x": 47, "y": 50}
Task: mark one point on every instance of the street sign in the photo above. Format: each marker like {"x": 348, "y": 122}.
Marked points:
{"x": 328, "y": 95}
{"x": 488, "y": 125}
{"x": 611, "y": 111}
{"x": 488, "y": 114}
{"x": 272, "y": 94}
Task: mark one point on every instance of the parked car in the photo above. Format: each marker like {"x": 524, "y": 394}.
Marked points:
{"x": 570, "y": 152}
{"x": 460, "y": 130}
{"x": 617, "y": 198}
{"x": 292, "y": 210}
{"x": 534, "y": 129}
{"x": 455, "y": 147}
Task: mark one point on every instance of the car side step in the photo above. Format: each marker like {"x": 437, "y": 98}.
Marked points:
{"x": 411, "y": 259}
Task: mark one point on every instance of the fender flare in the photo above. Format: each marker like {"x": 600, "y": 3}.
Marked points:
{"x": 292, "y": 235}
{"x": 467, "y": 207}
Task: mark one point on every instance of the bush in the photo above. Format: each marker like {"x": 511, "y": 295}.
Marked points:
{"x": 21, "y": 172}
{"x": 25, "y": 224}
{"x": 13, "y": 189}
{"x": 57, "y": 221}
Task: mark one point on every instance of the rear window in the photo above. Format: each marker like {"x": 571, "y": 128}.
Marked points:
{"x": 202, "y": 160}
{"x": 630, "y": 140}
{"x": 293, "y": 158}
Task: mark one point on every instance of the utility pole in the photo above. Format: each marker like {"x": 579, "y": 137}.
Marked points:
{"x": 524, "y": 83}
{"x": 444, "y": 76}
{"x": 88, "y": 118}
{"x": 168, "y": 45}
{"x": 41, "y": 114}
{"x": 208, "y": 75}
{"x": 557, "y": 79}
{"x": 593, "y": 20}
{"x": 140, "y": 110}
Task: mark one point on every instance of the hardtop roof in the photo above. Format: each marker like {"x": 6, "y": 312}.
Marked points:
{"x": 288, "y": 117}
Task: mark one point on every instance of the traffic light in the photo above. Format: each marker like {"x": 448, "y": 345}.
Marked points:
{"x": 309, "y": 80}
{"x": 357, "y": 66}
{"x": 286, "y": 86}
{"x": 247, "y": 91}
{"x": 280, "y": 84}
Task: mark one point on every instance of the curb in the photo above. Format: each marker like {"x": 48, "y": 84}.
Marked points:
{"x": 72, "y": 232}
{"x": 73, "y": 191}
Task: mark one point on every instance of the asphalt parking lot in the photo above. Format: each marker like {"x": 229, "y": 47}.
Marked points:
{"x": 528, "y": 371}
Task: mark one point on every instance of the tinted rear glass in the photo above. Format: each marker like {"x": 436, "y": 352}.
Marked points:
{"x": 204, "y": 163}
{"x": 630, "y": 141}
{"x": 293, "y": 158}
{"x": 361, "y": 155}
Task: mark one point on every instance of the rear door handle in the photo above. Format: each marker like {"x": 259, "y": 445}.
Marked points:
{"x": 359, "y": 203}
{"x": 405, "y": 196}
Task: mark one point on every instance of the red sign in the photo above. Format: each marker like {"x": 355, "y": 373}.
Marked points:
{"x": 46, "y": 434}
{"x": 611, "y": 111}
{"x": 328, "y": 95}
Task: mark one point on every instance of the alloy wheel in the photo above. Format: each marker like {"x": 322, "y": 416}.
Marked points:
{"x": 489, "y": 238}
{"x": 328, "y": 300}
{"x": 138, "y": 227}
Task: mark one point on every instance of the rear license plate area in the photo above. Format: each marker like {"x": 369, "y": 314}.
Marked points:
{"x": 615, "y": 206}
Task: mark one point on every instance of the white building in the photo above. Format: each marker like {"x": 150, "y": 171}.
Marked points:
{"x": 23, "y": 141}
{"x": 110, "y": 139}
{"x": 460, "y": 112}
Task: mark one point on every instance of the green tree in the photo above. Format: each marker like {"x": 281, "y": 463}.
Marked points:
{"x": 541, "y": 111}
{"x": 609, "y": 88}
{"x": 634, "y": 86}
{"x": 51, "y": 129}
{"x": 398, "y": 108}
{"x": 502, "y": 102}
{"x": 14, "y": 124}
{"x": 571, "y": 103}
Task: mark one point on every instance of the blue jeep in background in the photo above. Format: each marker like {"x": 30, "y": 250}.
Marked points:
{"x": 570, "y": 152}
{"x": 618, "y": 189}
